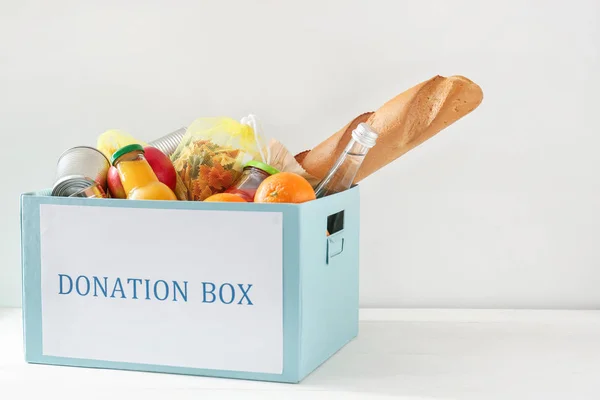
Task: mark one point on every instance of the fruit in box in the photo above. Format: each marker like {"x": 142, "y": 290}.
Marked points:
{"x": 284, "y": 187}
{"x": 162, "y": 166}
{"x": 225, "y": 197}
{"x": 114, "y": 184}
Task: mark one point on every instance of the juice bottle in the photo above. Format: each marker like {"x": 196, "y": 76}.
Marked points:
{"x": 137, "y": 177}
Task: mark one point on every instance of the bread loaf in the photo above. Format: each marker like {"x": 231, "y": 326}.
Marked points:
{"x": 402, "y": 123}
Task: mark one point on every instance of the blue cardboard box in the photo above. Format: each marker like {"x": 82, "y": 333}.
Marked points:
{"x": 277, "y": 300}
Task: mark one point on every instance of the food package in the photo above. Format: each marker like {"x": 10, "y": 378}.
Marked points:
{"x": 212, "y": 154}
{"x": 281, "y": 159}
{"x": 113, "y": 139}
{"x": 403, "y": 123}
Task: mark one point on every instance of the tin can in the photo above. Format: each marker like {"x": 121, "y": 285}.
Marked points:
{"x": 83, "y": 161}
{"x": 78, "y": 186}
{"x": 168, "y": 143}
{"x": 81, "y": 172}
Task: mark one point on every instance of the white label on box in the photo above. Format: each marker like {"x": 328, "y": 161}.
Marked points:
{"x": 187, "y": 288}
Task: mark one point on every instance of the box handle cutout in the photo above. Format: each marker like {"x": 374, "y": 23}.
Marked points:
{"x": 335, "y": 223}
{"x": 335, "y": 235}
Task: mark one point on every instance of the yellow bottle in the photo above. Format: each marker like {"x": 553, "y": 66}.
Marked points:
{"x": 137, "y": 177}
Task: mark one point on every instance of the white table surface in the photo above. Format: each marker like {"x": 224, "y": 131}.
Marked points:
{"x": 402, "y": 354}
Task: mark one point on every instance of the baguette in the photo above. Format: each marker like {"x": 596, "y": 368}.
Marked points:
{"x": 402, "y": 123}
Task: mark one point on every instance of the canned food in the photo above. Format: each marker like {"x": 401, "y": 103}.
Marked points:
{"x": 93, "y": 191}
{"x": 168, "y": 143}
{"x": 83, "y": 161}
{"x": 78, "y": 186}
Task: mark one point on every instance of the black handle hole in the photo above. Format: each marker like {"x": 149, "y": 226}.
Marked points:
{"x": 335, "y": 222}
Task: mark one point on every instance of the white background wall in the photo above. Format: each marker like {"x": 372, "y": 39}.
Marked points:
{"x": 499, "y": 210}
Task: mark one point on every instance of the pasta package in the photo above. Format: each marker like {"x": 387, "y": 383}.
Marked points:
{"x": 212, "y": 154}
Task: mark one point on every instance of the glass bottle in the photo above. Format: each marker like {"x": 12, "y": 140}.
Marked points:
{"x": 252, "y": 176}
{"x": 137, "y": 177}
{"x": 341, "y": 176}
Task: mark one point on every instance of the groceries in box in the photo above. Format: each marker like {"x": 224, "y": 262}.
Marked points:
{"x": 213, "y": 250}
{"x": 226, "y": 160}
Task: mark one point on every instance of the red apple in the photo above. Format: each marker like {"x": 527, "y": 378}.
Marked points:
{"x": 162, "y": 166}
{"x": 114, "y": 184}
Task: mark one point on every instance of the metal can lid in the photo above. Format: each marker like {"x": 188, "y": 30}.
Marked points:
{"x": 93, "y": 191}
{"x": 71, "y": 184}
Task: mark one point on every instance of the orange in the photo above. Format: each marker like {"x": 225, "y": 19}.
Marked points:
{"x": 225, "y": 197}
{"x": 284, "y": 187}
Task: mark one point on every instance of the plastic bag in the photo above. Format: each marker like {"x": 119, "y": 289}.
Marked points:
{"x": 113, "y": 139}
{"x": 212, "y": 154}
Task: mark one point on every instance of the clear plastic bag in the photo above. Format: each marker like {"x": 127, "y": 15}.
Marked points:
{"x": 213, "y": 152}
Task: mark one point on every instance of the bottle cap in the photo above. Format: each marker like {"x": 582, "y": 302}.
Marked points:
{"x": 124, "y": 150}
{"x": 364, "y": 135}
{"x": 260, "y": 165}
